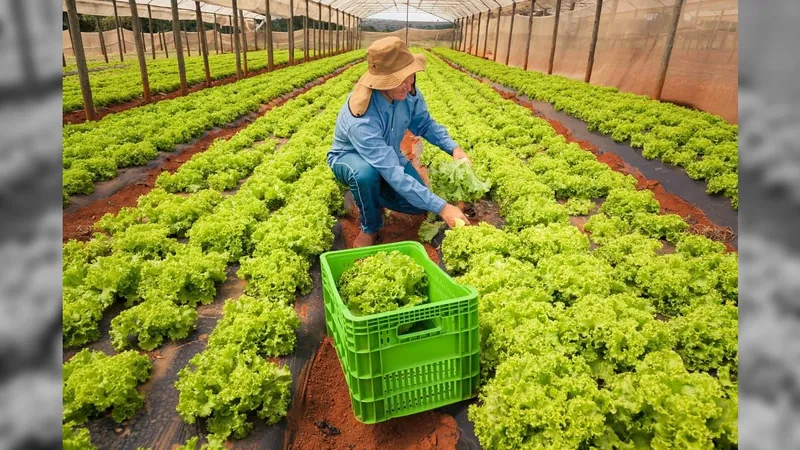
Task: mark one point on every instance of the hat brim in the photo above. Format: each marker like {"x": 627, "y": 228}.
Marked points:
{"x": 368, "y": 82}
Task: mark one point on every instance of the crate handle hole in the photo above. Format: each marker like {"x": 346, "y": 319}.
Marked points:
{"x": 427, "y": 327}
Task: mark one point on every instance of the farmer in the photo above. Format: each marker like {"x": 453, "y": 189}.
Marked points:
{"x": 366, "y": 143}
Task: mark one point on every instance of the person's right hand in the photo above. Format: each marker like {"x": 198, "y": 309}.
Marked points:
{"x": 450, "y": 213}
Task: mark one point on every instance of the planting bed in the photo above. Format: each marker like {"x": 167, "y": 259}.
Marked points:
{"x": 598, "y": 290}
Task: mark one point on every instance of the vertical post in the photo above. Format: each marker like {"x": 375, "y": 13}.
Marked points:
{"x": 291, "y": 32}
{"x": 319, "y": 22}
{"x": 203, "y": 42}
{"x": 176, "y": 36}
{"x": 144, "y": 41}
{"x": 461, "y": 35}
{"x": 471, "y": 32}
{"x": 455, "y": 35}
{"x": 120, "y": 42}
{"x": 243, "y": 35}
{"x": 338, "y": 30}
{"x": 80, "y": 59}
{"x": 511, "y": 30}
{"x": 164, "y": 39}
{"x": 486, "y": 31}
{"x": 235, "y": 38}
{"x": 186, "y": 37}
{"x": 530, "y": 32}
{"x": 478, "y": 37}
{"x": 255, "y": 34}
{"x": 662, "y": 73}
{"x": 199, "y": 44}
{"x": 231, "y": 27}
{"x": 270, "y": 58}
{"x": 555, "y": 36}
{"x": 305, "y": 35}
{"x": 330, "y": 30}
{"x": 150, "y": 26}
{"x": 313, "y": 37}
{"x": 102, "y": 39}
{"x": 216, "y": 43}
{"x": 593, "y": 45}
{"x": 138, "y": 39}
{"x": 497, "y": 33}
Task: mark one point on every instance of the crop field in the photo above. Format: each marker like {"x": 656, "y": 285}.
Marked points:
{"x": 192, "y": 295}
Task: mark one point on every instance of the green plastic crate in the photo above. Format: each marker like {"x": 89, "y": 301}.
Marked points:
{"x": 392, "y": 373}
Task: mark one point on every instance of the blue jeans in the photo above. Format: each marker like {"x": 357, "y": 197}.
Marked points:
{"x": 371, "y": 191}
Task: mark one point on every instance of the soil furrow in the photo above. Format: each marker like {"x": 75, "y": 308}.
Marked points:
{"x": 78, "y": 224}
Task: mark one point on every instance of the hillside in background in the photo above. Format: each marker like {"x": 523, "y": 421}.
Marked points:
{"x": 382, "y": 25}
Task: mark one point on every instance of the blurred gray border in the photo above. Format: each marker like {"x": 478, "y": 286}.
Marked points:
{"x": 30, "y": 229}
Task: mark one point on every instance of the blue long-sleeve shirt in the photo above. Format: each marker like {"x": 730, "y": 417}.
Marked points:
{"x": 376, "y": 136}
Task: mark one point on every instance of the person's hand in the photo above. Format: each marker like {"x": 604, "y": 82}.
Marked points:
{"x": 453, "y": 216}
{"x": 459, "y": 153}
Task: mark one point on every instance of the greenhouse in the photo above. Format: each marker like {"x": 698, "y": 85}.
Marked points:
{"x": 438, "y": 224}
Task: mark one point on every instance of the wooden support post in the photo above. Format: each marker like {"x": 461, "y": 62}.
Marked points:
{"x": 478, "y": 37}
{"x": 186, "y": 38}
{"x": 530, "y": 32}
{"x": 497, "y": 33}
{"x": 330, "y": 30}
{"x": 255, "y": 34}
{"x": 138, "y": 39}
{"x": 243, "y": 35}
{"x": 216, "y": 43}
{"x": 471, "y": 31}
{"x": 511, "y": 30}
{"x": 150, "y": 26}
{"x": 314, "y": 48}
{"x": 291, "y": 32}
{"x": 199, "y": 44}
{"x": 662, "y": 73}
{"x": 453, "y": 41}
{"x": 593, "y": 45}
{"x": 176, "y": 36}
{"x": 203, "y": 41}
{"x": 305, "y": 35}
{"x": 80, "y": 59}
{"x": 120, "y": 41}
{"x": 555, "y": 36}
{"x": 407, "y": 23}
{"x": 235, "y": 36}
{"x": 486, "y": 31}
{"x": 164, "y": 40}
{"x": 321, "y": 34}
{"x": 102, "y": 38}
{"x": 338, "y": 30}
{"x": 270, "y": 58}
{"x": 461, "y": 44}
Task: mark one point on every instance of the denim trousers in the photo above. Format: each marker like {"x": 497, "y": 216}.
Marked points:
{"x": 371, "y": 191}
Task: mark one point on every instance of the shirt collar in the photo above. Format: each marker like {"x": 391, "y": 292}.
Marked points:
{"x": 381, "y": 101}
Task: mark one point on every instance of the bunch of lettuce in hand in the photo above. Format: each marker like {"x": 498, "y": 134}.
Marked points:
{"x": 383, "y": 282}
{"x": 456, "y": 181}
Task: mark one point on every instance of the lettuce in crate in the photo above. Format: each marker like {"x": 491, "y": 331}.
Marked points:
{"x": 385, "y": 281}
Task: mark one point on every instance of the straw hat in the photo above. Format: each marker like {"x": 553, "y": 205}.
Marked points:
{"x": 389, "y": 63}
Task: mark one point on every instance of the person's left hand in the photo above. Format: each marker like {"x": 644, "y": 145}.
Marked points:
{"x": 459, "y": 153}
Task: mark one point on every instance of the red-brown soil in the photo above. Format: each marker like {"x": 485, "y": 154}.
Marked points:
{"x": 670, "y": 203}
{"x": 79, "y": 116}
{"x": 79, "y": 224}
{"x": 324, "y": 408}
